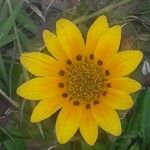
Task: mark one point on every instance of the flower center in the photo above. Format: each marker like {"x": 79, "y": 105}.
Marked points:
{"x": 84, "y": 80}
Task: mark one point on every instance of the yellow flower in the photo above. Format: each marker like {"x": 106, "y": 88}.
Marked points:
{"x": 86, "y": 81}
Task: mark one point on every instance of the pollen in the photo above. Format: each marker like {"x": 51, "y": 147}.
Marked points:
{"x": 84, "y": 81}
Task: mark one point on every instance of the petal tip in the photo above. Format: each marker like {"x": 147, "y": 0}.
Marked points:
{"x": 64, "y": 23}
{"x": 34, "y": 119}
{"x": 61, "y": 21}
{"x": 118, "y": 131}
{"x": 91, "y": 143}
{"x": 102, "y": 21}
{"x": 117, "y": 28}
{"x": 140, "y": 54}
{"x": 26, "y": 55}
{"x": 131, "y": 104}
{"x": 22, "y": 57}
{"x": 60, "y": 139}
{"x": 139, "y": 86}
{"x": 47, "y": 33}
{"x": 18, "y": 91}
{"x": 103, "y": 17}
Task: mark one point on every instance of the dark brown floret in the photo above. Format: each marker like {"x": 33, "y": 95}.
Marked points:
{"x": 79, "y": 57}
{"x": 76, "y": 103}
{"x": 104, "y": 93}
{"x": 88, "y": 106}
{"x": 61, "y": 72}
{"x": 91, "y": 56}
{"x": 60, "y": 85}
{"x": 69, "y": 62}
{"x": 107, "y": 72}
{"x": 65, "y": 95}
{"x": 108, "y": 85}
{"x": 99, "y": 62}
{"x": 96, "y": 102}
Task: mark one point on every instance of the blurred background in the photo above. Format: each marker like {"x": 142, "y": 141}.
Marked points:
{"x": 21, "y": 26}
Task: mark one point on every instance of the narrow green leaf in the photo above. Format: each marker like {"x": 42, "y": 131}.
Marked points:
{"x": 24, "y": 20}
{"x": 7, "y": 39}
{"x": 145, "y": 118}
{"x": 1, "y": 4}
{"x": 18, "y": 145}
{"x": 7, "y": 134}
{"x": 134, "y": 147}
{"x": 4, "y": 30}
{"x": 25, "y": 41}
{"x": 3, "y": 14}
{"x": 144, "y": 37}
{"x": 2, "y": 69}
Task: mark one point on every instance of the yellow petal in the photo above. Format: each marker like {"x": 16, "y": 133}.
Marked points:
{"x": 108, "y": 44}
{"x": 97, "y": 29}
{"x": 123, "y": 63}
{"x": 70, "y": 37}
{"x": 124, "y": 84}
{"x": 117, "y": 99}
{"x": 40, "y": 64}
{"x": 68, "y": 121}
{"x": 46, "y": 108}
{"x": 40, "y": 88}
{"x": 88, "y": 127}
{"x": 53, "y": 46}
{"x": 107, "y": 118}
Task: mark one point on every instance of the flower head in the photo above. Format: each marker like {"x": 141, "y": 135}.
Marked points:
{"x": 86, "y": 81}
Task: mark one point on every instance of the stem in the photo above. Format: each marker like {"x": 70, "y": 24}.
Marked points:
{"x": 25, "y": 73}
{"x": 101, "y": 11}
{"x": 14, "y": 103}
{"x": 65, "y": 7}
{"x": 10, "y": 73}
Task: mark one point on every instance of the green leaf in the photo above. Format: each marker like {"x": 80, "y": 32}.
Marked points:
{"x": 2, "y": 69}
{"x": 3, "y": 86}
{"x": 1, "y": 4}
{"x": 134, "y": 147}
{"x": 98, "y": 146}
{"x": 4, "y": 135}
{"x": 134, "y": 126}
{"x": 140, "y": 122}
{"x": 4, "y": 30}
{"x": 144, "y": 37}
{"x": 136, "y": 135}
{"x": 18, "y": 145}
{"x": 24, "y": 20}
{"x": 7, "y": 39}
{"x": 25, "y": 41}
{"x": 3, "y": 13}
{"x": 145, "y": 117}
